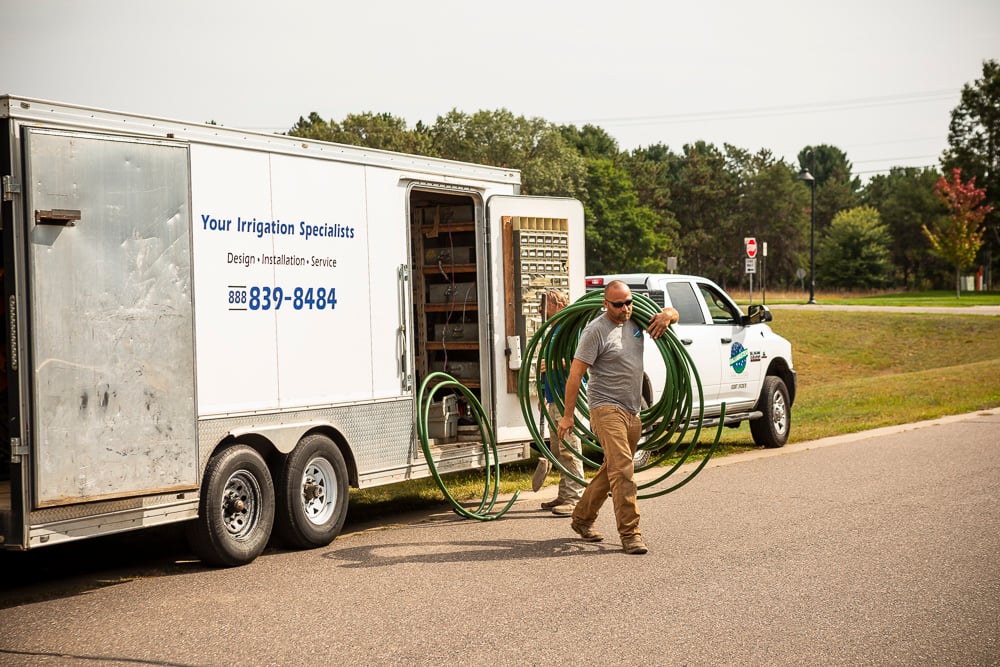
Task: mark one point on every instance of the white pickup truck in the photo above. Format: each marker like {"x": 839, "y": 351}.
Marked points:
{"x": 740, "y": 360}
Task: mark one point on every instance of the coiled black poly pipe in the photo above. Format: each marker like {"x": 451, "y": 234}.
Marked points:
{"x": 664, "y": 425}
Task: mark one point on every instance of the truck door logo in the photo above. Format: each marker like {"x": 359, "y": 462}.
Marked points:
{"x": 738, "y": 357}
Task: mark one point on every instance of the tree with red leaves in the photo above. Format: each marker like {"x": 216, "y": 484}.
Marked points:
{"x": 957, "y": 237}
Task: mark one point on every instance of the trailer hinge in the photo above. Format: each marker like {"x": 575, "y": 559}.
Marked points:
{"x": 17, "y": 450}
{"x": 11, "y": 187}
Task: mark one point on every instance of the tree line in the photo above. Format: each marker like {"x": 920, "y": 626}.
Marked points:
{"x": 901, "y": 229}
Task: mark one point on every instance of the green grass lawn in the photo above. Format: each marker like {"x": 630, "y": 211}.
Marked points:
{"x": 856, "y": 371}
{"x": 928, "y": 299}
{"x": 935, "y": 298}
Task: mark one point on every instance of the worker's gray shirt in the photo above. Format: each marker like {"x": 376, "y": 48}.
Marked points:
{"x": 614, "y": 354}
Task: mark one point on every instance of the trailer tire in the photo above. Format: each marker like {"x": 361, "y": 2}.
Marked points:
{"x": 771, "y": 430}
{"x": 312, "y": 494}
{"x": 237, "y": 508}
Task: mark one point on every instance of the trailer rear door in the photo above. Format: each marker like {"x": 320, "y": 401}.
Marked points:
{"x": 542, "y": 242}
{"x": 111, "y": 332}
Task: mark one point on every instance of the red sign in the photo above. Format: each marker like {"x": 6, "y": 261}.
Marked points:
{"x": 751, "y": 247}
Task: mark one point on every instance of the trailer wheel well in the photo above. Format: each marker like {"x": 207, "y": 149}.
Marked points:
{"x": 345, "y": 450}
{"x": 258, "y": 442}
{"x": 275, "y": 459}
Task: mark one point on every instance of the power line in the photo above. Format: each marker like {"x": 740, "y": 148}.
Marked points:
{"x": 894, "y": 141}
{"x": 888, "y": 159}
{"x": 761, "y": 112}
{"x": 888, "y": 169}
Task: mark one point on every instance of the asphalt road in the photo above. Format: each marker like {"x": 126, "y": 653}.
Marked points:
{"x": 876, "y": 549}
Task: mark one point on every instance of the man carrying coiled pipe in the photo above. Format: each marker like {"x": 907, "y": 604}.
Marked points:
{"x": 610, "y": 349}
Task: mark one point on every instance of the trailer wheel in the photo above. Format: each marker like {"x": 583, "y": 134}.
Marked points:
{"x": 312, "y": 494}
{"x": 237, "y": 508}
{"x": 772, "y": 429}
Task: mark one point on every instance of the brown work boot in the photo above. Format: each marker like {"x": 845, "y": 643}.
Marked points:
{"x": 634, "y": 545}
{"x": 586, "y": 531}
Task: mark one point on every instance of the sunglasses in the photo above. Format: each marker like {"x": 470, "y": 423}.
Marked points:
{"x": 619, "y": 304}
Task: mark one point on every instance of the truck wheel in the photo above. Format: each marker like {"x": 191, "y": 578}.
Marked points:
{"x": 772, "y": 429}
{"x": 312, "y": 494}
{"x": 642, "y": 457}
{"x": 237, "y": 508}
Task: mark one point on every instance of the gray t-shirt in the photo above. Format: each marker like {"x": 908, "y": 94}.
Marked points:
{"x": 614, "y": 353}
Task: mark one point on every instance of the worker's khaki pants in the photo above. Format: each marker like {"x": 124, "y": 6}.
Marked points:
{"x": 618, "y": 432}
{"x": 569, "y": 490}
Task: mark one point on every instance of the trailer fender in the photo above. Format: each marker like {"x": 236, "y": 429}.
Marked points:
{"x": 283, "y": 438}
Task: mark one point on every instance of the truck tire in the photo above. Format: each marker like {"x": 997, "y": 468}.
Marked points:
{"x": 237, "y": 508}
{"x": 772, "y": 429}
{"x": 312, "y": 494}
{"x": 642, "y": 457}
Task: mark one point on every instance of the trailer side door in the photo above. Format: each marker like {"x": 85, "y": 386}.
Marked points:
{"x": 111, "y": 332}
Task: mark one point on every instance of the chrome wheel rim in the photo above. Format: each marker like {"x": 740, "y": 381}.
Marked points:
{"x": 779, "y": 415}
{"x": 319, "y": 491}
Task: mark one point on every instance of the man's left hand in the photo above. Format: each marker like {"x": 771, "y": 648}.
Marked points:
{"x": 663, "y": 319}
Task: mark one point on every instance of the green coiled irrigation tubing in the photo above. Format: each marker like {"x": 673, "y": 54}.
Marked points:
{"x": 432, "y": 384}
{"x": 664, "y": 425}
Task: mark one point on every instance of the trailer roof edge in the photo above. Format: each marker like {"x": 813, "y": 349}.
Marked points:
{"x": 79, "y": 116}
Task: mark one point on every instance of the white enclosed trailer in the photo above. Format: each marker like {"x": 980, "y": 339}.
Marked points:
{"x": 230, "y": 328}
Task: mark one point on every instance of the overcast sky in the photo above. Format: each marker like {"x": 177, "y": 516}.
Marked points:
{"x": 876, "y": 78}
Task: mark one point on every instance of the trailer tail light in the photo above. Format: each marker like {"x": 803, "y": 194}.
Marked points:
{"x": 595, "y": 282}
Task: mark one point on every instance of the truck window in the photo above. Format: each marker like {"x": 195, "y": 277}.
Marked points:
{"x": 682, "y": 297}
{"x": 719, "y": 308}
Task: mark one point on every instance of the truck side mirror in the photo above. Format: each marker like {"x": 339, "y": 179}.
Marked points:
{"x": 757, "y": 314}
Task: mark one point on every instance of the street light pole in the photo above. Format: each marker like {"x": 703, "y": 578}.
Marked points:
{"x": 806, "y": 175}
{"x": 812, "y": 240}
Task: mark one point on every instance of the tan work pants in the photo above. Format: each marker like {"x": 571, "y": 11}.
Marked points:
{"x": 618, "y": 432}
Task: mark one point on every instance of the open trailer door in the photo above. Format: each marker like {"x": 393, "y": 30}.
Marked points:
{"x": 543, "y": 246}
